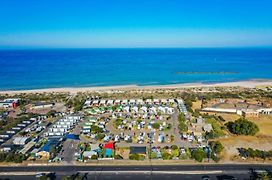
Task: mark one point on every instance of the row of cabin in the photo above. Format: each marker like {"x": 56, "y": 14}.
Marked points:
{"x": 63, "y": 126}
{"x": 14, "y": 130}
{"x": 102, "y": 102}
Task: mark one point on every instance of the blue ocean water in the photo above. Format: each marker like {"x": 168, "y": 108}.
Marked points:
{"x": 50, "y": 68}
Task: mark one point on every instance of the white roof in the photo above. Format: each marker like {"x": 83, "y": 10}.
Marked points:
{"x": 20, "y": 140}
{"x": 89, "y": 153}
{"x": 220, "y": 110}
{"x": 110, "y": 101}
{"x": 117, "y": 101}
{"x": 95, "y": 101}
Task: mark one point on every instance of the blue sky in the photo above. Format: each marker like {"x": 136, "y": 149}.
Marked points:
{"x": 135, "y": 23}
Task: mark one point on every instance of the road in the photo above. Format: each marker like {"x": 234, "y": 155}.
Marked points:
{"x": 136, "y": 172}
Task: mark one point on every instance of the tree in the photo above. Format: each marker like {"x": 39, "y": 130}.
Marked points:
{"x": 166, "y": 155}
{"x": 173, "y": 147}
{"x": 216, "y": 146}
{"x": 199, "y": 154}
{"x": 242, "y": 127}
{"x": 183, "y": 127}
{"x": 156, "y": 125}
{"x": 181, "y": 117}
{"x": 94, "y": 157}
{"x": 52, "y": 151}
{"x": 2, "y": 156}
{"x": 95, "y": 129}
{"x": 51, "y": 113}
{"x": 100, "y": 136}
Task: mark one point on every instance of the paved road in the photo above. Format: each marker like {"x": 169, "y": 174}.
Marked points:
{"x": 117, "y": 176}
{"x": 74, "y": 168}
{"x": 135, "y": 172}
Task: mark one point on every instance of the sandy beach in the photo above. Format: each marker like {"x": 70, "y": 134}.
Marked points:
{"x": 245, "y": 84}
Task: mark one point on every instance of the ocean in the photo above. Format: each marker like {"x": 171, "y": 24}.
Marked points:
{"x": 55, "y": 68}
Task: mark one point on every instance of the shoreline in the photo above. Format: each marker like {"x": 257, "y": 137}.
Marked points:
{"x": 244, "y": 84}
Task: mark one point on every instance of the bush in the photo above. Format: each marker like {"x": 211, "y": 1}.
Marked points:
{"x": 183, "y": 127}
{"x": 166, "y": 155}
{"x": 181, "y": 117}
{"x": 255, "y": 153}
{"x": 94, "y": 157}
{"x": 156, "y": 125}
{"x": 173, "y": 147}
{"x": 15, "y": 157}
{"x": 216, "y": 146}
{"x": 215, "y": 158}
{"x": 153, "y": 155}
{"x": 242, "y": 127}
{"x": 95, "y": 129}
{"x": 100, "y": 136}
{"x": 136, "y": 157}
{"x": 199, "y": 154}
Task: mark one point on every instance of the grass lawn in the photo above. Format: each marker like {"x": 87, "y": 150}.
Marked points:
{"x": 216, "y": 126}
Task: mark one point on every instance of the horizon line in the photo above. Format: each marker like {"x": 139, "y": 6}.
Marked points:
{"x": 196, "y": 47}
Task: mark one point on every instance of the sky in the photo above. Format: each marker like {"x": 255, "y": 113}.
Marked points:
{"x": 135, "y": 23}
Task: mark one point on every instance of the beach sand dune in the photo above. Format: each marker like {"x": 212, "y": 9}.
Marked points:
{"x": 245, "y": 84}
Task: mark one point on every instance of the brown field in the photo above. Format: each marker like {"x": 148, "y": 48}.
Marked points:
{"x": 264, "y": 123}
{"x": 261, "y": 141}
{"x": 196, "y": 105}
{"x": 233, "y": 142}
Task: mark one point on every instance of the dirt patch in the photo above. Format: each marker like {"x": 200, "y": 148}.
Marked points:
{"x": 231, "y": 144}
{"x": 196, "y": 105}
{"x": 124, "y": 152}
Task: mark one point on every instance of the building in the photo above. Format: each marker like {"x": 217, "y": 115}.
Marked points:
{"x": 62, "y": 126}
{"x": 138, "y": 150}
{"x": 8, "y": 103}
{"x": 21, "y": 141}
{"x": 241, "y": 112}
{"x": 42, "y": 105}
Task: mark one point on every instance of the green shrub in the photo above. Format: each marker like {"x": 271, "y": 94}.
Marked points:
{"x": 94, "y": 157}
{"x": 242, "y": 127}
{"x": 199, "y": 154}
